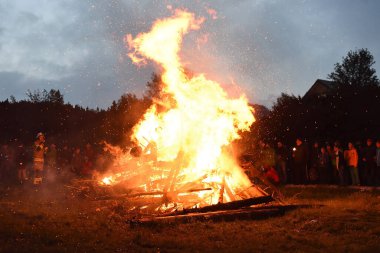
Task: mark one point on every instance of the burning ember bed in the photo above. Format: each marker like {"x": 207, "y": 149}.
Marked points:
{"x": 183, "y": 160}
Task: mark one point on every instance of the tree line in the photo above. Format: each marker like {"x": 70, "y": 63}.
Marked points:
{"x": 350, "y": 111}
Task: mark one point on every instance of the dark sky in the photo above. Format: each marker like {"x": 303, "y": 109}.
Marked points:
{"x": 264, "y": 46}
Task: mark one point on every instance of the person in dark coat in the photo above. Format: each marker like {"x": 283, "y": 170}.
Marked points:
{"x": 281, "y": 162}
{"x": 369, "y": 163}
{"x": 313, "y": 165}
{"x": 378, "y": 162}
{"x": 338, "y": 165}
{"x": 324, "y": 166}
{"x": 300, "y": 158}
{"x": 21, "y": 161}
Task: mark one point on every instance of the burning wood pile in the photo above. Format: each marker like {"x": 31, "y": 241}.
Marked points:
{"x": 183, "y": 158}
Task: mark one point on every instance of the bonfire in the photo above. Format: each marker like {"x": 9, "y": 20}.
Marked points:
{"x": 183, "y": 154}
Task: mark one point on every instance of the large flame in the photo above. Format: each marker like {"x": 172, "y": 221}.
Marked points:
{"x": 194, "y": 131}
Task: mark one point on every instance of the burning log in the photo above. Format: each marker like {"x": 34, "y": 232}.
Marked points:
{"x": 229, "y": 206}
{"x": 249, "y": 213}
{"x": 163, "y": 192}
{"x": 221, "y": 192}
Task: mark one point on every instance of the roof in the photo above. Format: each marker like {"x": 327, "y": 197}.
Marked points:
{"x": 319, "y": 88}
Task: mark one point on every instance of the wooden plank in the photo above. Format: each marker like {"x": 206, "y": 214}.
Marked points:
{"x": 227, "y": 206}
{"x": 227, "y": 215}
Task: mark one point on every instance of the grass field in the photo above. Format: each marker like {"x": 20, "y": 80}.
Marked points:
{"x": 52, "y": 220}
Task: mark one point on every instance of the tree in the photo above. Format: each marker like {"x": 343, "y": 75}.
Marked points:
{"x": 355, "y": 70}
{"x": 13, "y": 99}
{"x": 36, "y": 96}
{"x": 55, "y": 97}
{"x": 154, "y": 87}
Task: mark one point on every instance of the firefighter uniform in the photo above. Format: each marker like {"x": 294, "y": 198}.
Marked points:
{"x": 38, "y": 158}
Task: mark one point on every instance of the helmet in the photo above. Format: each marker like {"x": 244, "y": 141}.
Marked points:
{"x": 39, "y": 134}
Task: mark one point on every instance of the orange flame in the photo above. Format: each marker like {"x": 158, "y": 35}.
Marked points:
{"x": 203, "y": 121}
{"x": 194, "y": 133}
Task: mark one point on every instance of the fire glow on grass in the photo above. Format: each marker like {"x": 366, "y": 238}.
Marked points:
{"x": 190, "y": 130}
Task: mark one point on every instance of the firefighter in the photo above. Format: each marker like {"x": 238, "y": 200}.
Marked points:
{"x": 39, "y": 151}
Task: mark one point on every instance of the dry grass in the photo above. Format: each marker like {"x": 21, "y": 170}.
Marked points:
{"x": 50, "y": 220}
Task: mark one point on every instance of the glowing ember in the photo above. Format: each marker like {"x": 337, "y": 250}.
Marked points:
{"x": 187, "y": 144}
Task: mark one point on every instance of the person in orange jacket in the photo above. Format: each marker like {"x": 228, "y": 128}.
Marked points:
{"x": 352, "y": 159}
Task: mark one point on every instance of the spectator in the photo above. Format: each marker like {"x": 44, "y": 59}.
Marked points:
{"x": 331, "y": 169}
{"x": 300, "y": 158}
{"x": 281, "y": 161}
{"x": 351, "y": 158}
{"x": 21, "y": 161}
{"x": 314, "y": 159}
{"x": 338, "y": 165}
{"x": 324, "y": 166}
{"x": 369, "y": 163}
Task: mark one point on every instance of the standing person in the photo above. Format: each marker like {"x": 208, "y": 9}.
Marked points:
{"x": 331, "y": 169}
{"x": 369, "y": 164}
{"x": 352, "y": 159}
{"x": 314, "y": 160}
{"x": 300, "y": 158}
{"x": 21, "y": 160}
{"x": 378, "y": 161}
{"x": 324, "y": 166}
{"x": 39, "y": 151}
{"x": 281, "y": 161}
{"x": 338, "y": 165}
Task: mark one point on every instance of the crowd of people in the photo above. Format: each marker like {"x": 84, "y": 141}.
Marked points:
{"x": 328, "y": 163}
{"x": 22, "y": 163}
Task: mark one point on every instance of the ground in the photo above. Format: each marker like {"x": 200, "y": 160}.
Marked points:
{"x": 51, "y": 219}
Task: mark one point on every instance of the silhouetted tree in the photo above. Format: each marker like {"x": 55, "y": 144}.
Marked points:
{"x": 36, "y": 96}
{"x": 55, "y": 96}
{"x": 154, "y": 87}
{"x": 12, "y": 99}
{"x": 355, "y": 69}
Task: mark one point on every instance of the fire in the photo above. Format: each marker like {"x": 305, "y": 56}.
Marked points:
{"x": 187, "y": 134}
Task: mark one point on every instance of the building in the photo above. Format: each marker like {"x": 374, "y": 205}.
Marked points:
{"x": 321, "y": 88}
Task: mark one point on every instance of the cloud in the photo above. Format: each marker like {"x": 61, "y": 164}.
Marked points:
{"x": 267, "y": 47}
